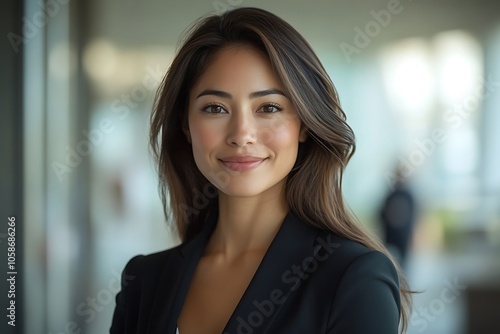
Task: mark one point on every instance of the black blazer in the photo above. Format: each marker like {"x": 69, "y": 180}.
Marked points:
{"x": 309, "y": 281}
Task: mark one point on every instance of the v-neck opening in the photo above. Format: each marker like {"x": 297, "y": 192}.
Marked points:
{"x": 293, "y": 242}
{"x": 212, "y": 221}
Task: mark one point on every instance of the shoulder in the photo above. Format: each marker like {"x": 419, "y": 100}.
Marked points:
{"x": 351, "y": 259}
{"x": 366, "y": 286}
{"x": 139, "y": 281}
{"x": 149, "y": 266}
{"x": 357, "y": 285}
{"x": 142, "y": 273}
{"x": 333, "y": 252}
{"x": 343, "y": 251}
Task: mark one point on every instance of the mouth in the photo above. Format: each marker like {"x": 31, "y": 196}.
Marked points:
{"x": 242, "y": 163}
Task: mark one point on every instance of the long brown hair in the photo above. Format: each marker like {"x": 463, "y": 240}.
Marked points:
{"x": 314, "y": 186}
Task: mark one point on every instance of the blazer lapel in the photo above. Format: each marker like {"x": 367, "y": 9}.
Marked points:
{"x": 275, "y": 279}
{"x": 175, "y": 279}
{"x": 268, "y": 290}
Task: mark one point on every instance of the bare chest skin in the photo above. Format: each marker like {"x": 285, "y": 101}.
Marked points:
{"x": 214, "y": 293}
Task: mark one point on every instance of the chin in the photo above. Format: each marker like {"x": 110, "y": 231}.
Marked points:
{"x": 250, "y": 187}
{"x": 242, "y": 190}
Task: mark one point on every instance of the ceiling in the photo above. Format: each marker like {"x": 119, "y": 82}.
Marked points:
{"x": 132, "y": 23}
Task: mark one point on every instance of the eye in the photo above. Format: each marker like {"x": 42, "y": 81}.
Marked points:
{"x": 214, "y": 109}
{"x": 270, "y": 108}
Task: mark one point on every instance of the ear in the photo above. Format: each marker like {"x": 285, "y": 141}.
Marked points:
{"x": 303, "y": 134}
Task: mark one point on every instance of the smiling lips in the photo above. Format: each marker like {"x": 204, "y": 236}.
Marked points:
{"x": 242, "y": 163}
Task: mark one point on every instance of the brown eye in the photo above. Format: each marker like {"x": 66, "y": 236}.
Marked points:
{"x": 214, "y": 109}
{"x": 270, "y": 109}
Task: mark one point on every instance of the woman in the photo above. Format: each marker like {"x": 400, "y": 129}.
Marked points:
{"x": 251, "y": 145}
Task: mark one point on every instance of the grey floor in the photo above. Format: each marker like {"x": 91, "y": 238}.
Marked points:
{"x": 446, "y": 279}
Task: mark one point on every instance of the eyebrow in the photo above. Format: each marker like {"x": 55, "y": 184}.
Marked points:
{"x": 226, "y": 95}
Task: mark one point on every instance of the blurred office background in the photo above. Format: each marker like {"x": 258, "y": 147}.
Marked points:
{"x": 419, "y": 81}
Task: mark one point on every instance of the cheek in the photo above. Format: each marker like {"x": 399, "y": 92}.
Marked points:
{"x": 284, "y": 136}
{"x": 202, "y": 136}
{"x": 200, "y": 133}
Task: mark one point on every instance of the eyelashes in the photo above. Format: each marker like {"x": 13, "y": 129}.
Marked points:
{"x": 275, "y": 106}
{"x": 267, "y": 108}
{"x": 214, "y": 108}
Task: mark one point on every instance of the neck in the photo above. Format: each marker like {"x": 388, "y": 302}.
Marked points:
{"x": 247, "y": 224}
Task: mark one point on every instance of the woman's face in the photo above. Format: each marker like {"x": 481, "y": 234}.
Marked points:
{"x": 244, "y": 131}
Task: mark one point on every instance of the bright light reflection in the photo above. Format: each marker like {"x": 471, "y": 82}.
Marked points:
{"x": 459, "y": 68}
{"x": 408, "y": 79}
{"x": 461, "y": 151}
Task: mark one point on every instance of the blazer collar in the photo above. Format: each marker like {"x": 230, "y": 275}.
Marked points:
{"x": 293, "y": 243}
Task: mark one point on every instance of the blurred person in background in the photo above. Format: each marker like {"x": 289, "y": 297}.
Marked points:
{"x": 397, "y": 216}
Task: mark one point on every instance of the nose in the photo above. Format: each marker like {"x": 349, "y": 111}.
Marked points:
{"x": 242, "y": 129}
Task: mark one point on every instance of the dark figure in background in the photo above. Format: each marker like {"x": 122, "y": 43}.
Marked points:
{"x": 397, "y": 215}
